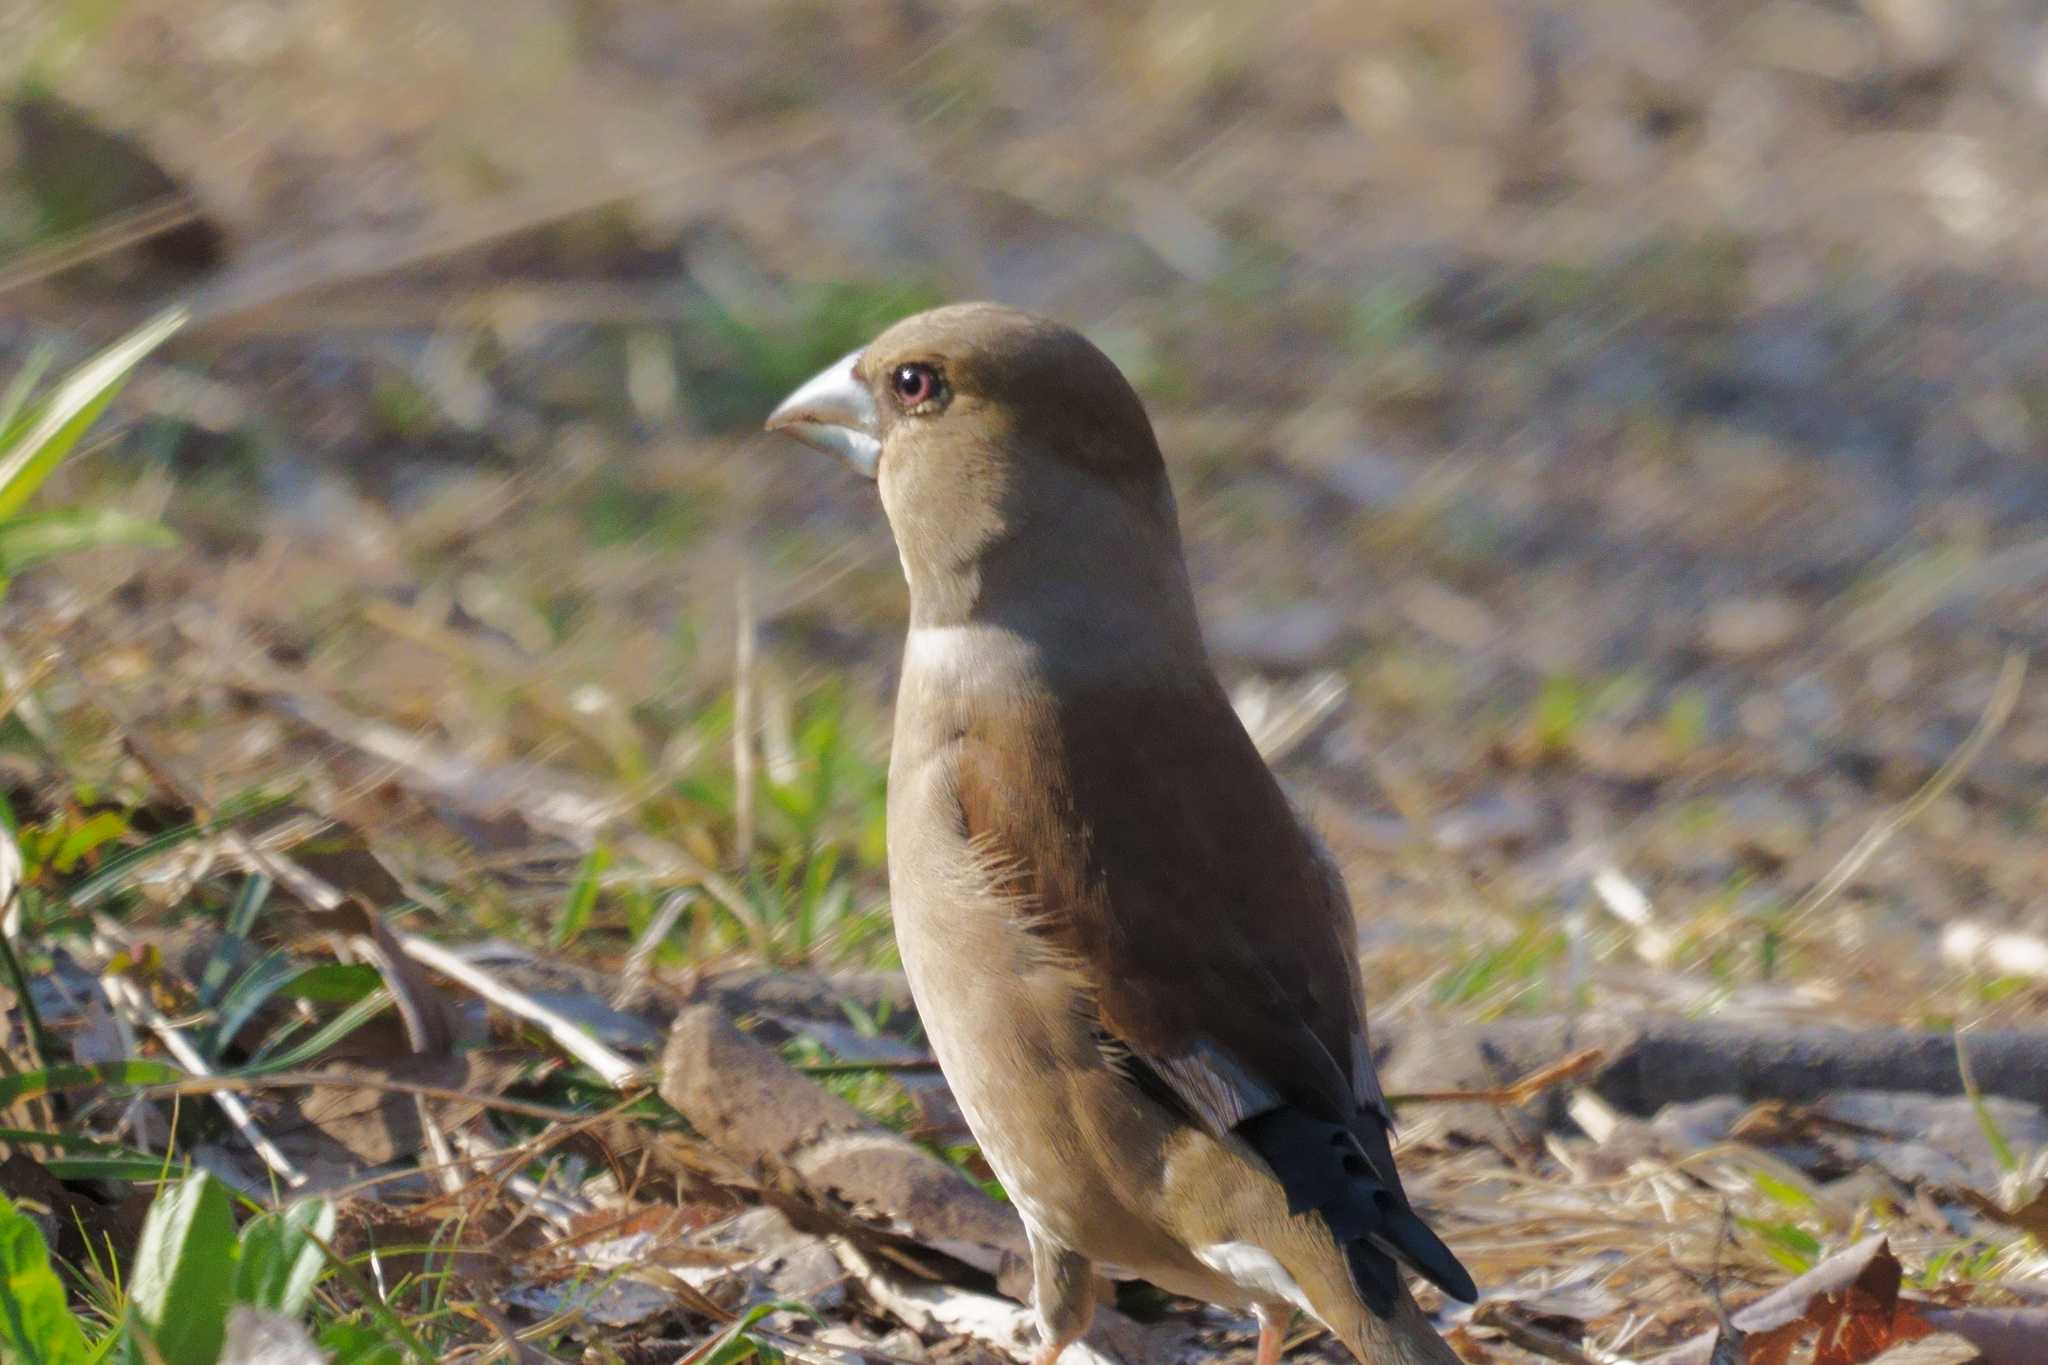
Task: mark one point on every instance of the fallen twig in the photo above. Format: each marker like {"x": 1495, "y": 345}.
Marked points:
{"x": 289, "y": 1080}
{"x": 1652, "y": 1061}
{"x": 1521, "y": 1092}
{"x": 1512, "y": 1324}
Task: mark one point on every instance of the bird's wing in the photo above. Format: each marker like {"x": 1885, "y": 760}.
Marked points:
{"x": 1145, "y": 840}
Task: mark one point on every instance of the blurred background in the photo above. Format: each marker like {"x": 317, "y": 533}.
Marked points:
{"x": 1608, "y": 435}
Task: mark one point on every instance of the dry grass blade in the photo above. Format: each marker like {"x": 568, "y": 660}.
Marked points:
{"x": 1521, "y": 1092}
{"x": 132, "y": 1000}
{"x": 438, "y": 1144}
{"x": 1513, "y": 1324}
{"x": 640, "y": 962}
{"x": 288, "y": 1080}
{"x": 549, "y": 801}
{"x": 116, "y": 233}
{"x": 166, "y": 776}
{"x": 512, "y": 1343}
{"x": 617, "y": 1072}
{"x": 2005, "y": 695}
{"x": 1280, "y": 718}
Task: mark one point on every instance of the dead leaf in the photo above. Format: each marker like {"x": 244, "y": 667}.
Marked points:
{"x": 1848, "y": 1305}
{"x": 366, "y": 1124}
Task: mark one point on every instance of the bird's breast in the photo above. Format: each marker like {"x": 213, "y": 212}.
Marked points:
{"x": 1072, "y": 1150}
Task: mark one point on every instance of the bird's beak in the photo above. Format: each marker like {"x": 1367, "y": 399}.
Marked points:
{"x": 833, "y": 411}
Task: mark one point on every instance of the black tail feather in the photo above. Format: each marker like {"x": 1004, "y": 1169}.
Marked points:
{"x": 1349, "y": 1179}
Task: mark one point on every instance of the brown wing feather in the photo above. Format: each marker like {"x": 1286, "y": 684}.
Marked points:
{"x": 1155, "y": 852}
{"x": 1229, "y": 959}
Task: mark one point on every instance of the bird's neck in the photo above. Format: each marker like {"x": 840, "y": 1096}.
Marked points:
{"x": 1063, "y": 622}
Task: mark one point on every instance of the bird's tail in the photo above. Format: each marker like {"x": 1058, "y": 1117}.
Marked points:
{"x": 1346, "y": 1174}
{"x": 1319, "y": 1220}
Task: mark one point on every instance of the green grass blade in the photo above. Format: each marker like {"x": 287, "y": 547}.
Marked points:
{"x": 10, "y": 965}
{"x": 363, "y": 1347}
{"x": 26, "y": 541}
{"x": 241, "y": 920}
{"x": 115, "y": 872}
{"x": 582, "y": 901}
{"x": 281, "y": 1257}
{"x": 14, "y": 408}
{"x": 270, "y": 974}
{"x": 1994, "y": 1136}
{"x": 358, "y": 1343}
{"x": 329, "y": 1034}
{"x": 139, "y": 1168}
{"x": 184, "y": 1266}
{"x": 734, "y": 1344}
{"x": 73, "y": 406}
{"x": 28, "y": 1085}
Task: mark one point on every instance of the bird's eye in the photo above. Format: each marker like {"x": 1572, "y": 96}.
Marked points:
{"x": 914, "y": 384}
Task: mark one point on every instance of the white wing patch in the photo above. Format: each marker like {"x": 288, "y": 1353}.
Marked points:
{"x": 1254, "y": 1270}
{"x": 1220, "y": 1090}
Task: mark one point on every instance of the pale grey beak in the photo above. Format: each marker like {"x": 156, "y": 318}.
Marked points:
{"x": 834, "y": 412}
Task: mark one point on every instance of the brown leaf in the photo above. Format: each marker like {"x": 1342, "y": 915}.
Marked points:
{"x": 1848, "y": 1305}
{"x": 355, "y": 1122}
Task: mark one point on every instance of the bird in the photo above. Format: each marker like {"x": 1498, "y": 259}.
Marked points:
{"x": 1135, "y": 961}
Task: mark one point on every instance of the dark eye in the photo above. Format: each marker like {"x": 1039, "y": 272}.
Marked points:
{"x": 914, "y": 384}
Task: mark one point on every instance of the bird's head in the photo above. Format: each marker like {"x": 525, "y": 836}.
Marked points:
{"x": 1017, "y": 467}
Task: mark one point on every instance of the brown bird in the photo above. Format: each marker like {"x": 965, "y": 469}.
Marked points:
{"x": 1136, "y": 964}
